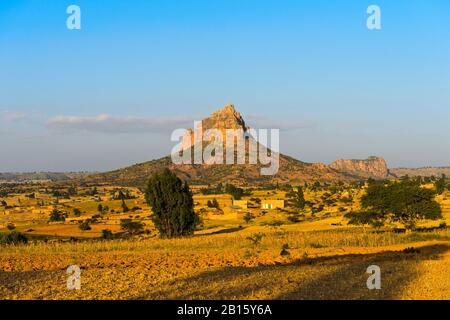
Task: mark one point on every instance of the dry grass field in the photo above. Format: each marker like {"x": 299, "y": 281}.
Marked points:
{"x": 270, "y": 257}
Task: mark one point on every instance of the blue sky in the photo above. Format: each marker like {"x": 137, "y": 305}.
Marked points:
{"x": 108, "y": 95}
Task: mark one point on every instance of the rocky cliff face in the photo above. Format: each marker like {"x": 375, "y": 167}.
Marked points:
{"x": 225, "y": 118}
{"x": 373, "y": 167}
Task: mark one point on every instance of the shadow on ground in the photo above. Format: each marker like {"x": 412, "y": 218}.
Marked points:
{"x": 223, "y": 231}
{"x": 334, "y": 277}
{"x": 35, "y": 283}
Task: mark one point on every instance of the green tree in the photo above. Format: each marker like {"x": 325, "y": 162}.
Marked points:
{"x": 100, "y": 208}
{"x": 72, "y": 191}
{"x": 85, "y": 225}
{"x": 440, "y": 185}
{"x": 248, "y": 217}
{"x": 213, "y": 204}
{"x": 57, "y": 216}
{"x": 235, "y": 192}
{"x": 172, "y": 205}
{"x": 124, "y": 206}
{"x": 298, "y": 198}
{"x": 76, "y": 212}
{"x": 404, "y": 202}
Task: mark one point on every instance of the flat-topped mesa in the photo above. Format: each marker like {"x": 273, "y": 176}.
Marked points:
{"x": 373, "y": 167}
{"x": 223, "y": 119}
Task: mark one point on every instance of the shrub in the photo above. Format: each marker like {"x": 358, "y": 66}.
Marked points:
{"x": 318, "y": 209}
{"x": 85, "y": 226}
{"x": 13, "y": 237}
{"x": 255, "y": 239}
{"x": 275, "y": 223}
{"x": 213, "y": 204}
{"x": 10, "y": 226}
{"x": 347, "y": 200}
{"x": 294, "y": 218}
{"x": 248, "y": 217}
{"x": 285, "y": 250}
{"x": 256, "y": 200}
{"x": 124, "y": 206}
{"x": 57, "y": 216}
{"x": 107, "y": 234}
{"x": 132, "y": 227}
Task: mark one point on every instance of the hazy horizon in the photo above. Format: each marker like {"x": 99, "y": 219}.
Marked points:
{"x": 108, "y": 95}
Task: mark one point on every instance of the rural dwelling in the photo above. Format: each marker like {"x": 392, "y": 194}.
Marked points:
{"x": 272, "y": 204}
{"x": 242, "y": 204}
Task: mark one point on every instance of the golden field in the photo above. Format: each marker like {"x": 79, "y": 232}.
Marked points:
{"x": 227, "y": 258}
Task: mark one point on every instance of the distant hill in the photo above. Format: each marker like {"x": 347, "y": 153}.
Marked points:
{"x": 40, "y": 176}
{"x": 290, "y": 170}
{"x": 423, "y": 172}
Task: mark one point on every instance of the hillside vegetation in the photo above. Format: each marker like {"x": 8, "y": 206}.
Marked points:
{"x": 306, "y": 250}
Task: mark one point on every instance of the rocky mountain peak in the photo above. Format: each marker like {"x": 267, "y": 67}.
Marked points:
{"x": 225, "y": 118}
{"x": 222, "y": 119}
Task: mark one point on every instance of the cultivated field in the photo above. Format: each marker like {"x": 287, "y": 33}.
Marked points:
{"x": 269, "y": 257}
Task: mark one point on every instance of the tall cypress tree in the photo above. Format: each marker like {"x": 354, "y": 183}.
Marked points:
{"x": 298, "y": 198}
{"x": 172, "y": 205}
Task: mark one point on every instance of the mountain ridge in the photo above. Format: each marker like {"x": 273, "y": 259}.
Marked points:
{"x": 290, "y": 170}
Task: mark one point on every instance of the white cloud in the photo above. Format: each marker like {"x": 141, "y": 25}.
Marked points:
{"x": 110, "y": 124}
{"x": 106, "y": 123}
{"x": 11, "y": 116}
